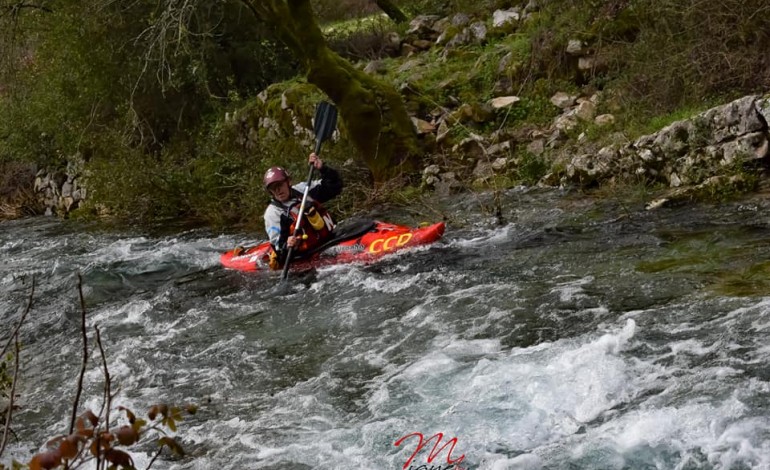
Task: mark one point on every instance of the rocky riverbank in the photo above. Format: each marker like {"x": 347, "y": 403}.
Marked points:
{"x": 475, "y": 143}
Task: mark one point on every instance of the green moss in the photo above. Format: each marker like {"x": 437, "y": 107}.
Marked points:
{"x": 723, "y": 266}
{"x": 753, "y": 280}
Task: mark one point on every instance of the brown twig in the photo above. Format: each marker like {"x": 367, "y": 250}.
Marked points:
{"x": 21, "y": 320}
{"x": 154, "y": 458}
{"x": 7, "y": 427}
{"x": 107, "y": 385}
{"x": 85, "y": 355}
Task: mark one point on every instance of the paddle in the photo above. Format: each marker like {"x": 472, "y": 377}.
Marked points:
{"x": 325, "y": 123}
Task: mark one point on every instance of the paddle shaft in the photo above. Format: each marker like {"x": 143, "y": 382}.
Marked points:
{"x": 285, "y": 272}
{"x": 325, "y": 122}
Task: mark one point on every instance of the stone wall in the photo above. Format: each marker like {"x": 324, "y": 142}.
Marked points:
{"x": 61, "y": 192}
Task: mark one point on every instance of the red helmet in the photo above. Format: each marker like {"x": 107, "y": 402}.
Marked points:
{"x": 274, "y": 175}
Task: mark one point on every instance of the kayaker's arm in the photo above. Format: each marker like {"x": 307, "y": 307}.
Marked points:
{"x": 329, "y": 187}
{"x": 277, "y": 227}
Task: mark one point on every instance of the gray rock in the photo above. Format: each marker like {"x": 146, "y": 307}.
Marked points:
{"x": 763, "y": 108}
{"x": 460, "y": 20}
{"x": 499, "y": 164}
{"x": 479, "y": 32}
{"x": 497, "y": 149}
{"x": 502, "y": 18}
{"x": 422, "y": 126}
{"x": 376, "y": 67}
{"x": 576, "y": 47}
{"x": 448, "y": 184}
{"x": 746, "y": 147}
{"x": 483, "y": 169}
{"x": 563, "y": 100}
{"x": 503, "y": 101}
{"x": 505, "y": 62}
{"x": 604, "y": 120}
{"x": 66, "y": 189}
{"x": 470, "y": 147}
{"x": 409, "y": 65}
{"x": 422, "y": 24}
{"x": 443, "y": 131}
{"x": 733, "y": 119}
{"x": 586, "y": 111}
{"x": 422, "y": 44}
{"x": 536, "y": 147}
{"x": 590, "y": 63}
{"x": 460, "y": 39}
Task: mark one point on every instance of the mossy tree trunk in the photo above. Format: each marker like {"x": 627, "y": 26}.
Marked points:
{"x": 392, "y": 10}
{"x": 373, "y": 111}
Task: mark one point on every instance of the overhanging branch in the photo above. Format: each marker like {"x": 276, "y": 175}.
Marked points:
{"x": 15, "y": 9}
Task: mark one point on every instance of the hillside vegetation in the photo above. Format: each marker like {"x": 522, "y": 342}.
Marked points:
{"x": 187, "y": 133}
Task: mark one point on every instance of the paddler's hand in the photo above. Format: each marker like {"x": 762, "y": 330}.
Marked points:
{"x": 315, "y": 161}
{"x": 293, "y": 242}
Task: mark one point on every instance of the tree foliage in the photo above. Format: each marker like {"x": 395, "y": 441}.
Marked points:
{"x": 372, "y": 110}
{"x": 80, "y": 69}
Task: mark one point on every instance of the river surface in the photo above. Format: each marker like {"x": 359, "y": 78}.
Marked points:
{"x": 576, "y": 334}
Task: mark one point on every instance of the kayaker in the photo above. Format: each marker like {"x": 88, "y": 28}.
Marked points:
{"x": 283, "y": 211}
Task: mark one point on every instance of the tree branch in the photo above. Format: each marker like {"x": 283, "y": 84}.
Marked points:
{"x": 107, "y": 385}
{"x": 7, "y": 427}
{"x": 16, "y": 8}
{"x": 392, "y": 10}
{"x": 277, "y": 14}
{"x": 21, "y": 320}
{"x": 85, "y": 355}
{"x": 157, "y": 454}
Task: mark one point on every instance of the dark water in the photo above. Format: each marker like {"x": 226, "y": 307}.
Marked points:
{"x": 578, "y": 334}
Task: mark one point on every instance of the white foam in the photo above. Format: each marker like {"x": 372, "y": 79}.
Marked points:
{"x": 570, "y": 290}
{"x": 489, "y": 237}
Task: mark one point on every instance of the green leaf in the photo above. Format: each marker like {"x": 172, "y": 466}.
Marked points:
{"x": 172, "y": 444}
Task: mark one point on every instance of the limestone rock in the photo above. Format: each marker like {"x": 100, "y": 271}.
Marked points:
{"x": 376, "y": 67}
{"x": 576, "y": 47}
{"x": 563, "y": 100}
{"x": 586, "y": 111}
{"x": 422, "y": 126}
{"x": 499, "y": 164}
{"x": 502, "y": 147}
{"x": 483, "y": 169}
{"x": 503, "y": 101}
{"x": 502, "y": 18}
{"x": 536, "y": 147}
{"x": 460, "y": 20}
{"x": 422, "y": 24}
{"x": 604, "y": 120}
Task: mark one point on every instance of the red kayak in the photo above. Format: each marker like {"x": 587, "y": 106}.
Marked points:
{"x": 358, "y": 240}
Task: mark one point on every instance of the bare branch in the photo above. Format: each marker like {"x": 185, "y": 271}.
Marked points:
{"x": 264, "y": 10}
{"x": 21, "y": 320}
{"x": 16, "y": 8}
{"x": 157, "y": 454}
{"x": 79, "y": 390}
{"x": 7, "y": 427}
{"x": 107, "y": 385}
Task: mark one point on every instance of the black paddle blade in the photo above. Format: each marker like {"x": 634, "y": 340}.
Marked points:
{"x": 325, "y": 122}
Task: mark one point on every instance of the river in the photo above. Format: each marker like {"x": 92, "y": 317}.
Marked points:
{"x": 577, "y": 334}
